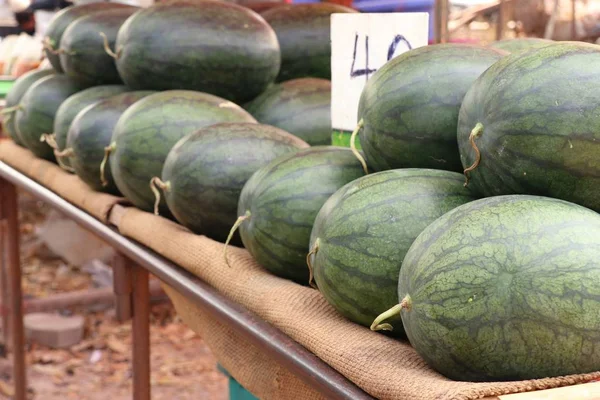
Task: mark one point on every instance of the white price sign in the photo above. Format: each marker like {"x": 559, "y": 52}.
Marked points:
{"x": 362, "y": 43}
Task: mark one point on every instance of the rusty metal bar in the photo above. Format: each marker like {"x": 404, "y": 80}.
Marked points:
{"x": 574, "y": 20}
{"x": 4, "y": 294}
{"x": 141, "y": 333}
{"x": 8, "y": 191}
{"x": 122, "y": 287}
{"x": 441, "y": 21}
{"x": 281, "y": 348}
{"x": 502, "y": 19}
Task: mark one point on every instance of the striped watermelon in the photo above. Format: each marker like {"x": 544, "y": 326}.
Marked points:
{"x": 205, "y": 172}
{"x": 364, "y": 230}
{"x": 505, "y": 288}
{"x": 537, "y": 119}
{"x": 283, "y": 199}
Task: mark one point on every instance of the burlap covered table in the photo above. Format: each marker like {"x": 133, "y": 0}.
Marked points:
{"x": 383, "y": 367}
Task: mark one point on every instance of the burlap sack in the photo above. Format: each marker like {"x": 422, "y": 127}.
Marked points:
{"x": 383, "y": 367}
{"x": 67, "y": 185}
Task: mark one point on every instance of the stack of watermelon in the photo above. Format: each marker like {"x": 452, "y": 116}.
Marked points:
{"x": 469, "y": 223}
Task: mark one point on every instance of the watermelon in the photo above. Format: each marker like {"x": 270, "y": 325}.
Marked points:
{"x": 69, "y": 109}
{"x": 283, "y": 199}
{"x": 364, "y": 230}
{"x": 91, "y": 131}
{"x": 38, "y": 108}
{"x": 61, "y": 21}
{"x": 304, "y": 34}
{"x": 300, "y": 106}
{"x": 205, "y": 172}
{"x": 147, "y": 131}
{"x": 520, "y": 44}
{"x": 13, "y": 99}
{"x": 409, "y": 107}
{"x": 210, "y": 46}
{"x": 83, "y": 56}
{"x": 537, "y": 114}
{"x": 505, "y": 288}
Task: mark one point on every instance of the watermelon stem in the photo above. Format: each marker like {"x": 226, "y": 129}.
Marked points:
{"x": 68, "y": 152}
{"x": 49, "y": 138}
{"x": 475, "y": 133}
{"x": 107, "y": 48}
{"x": 155, "y": 184}
{"x": 47, "y": 44}
{"x": 377, "y": 325}
{"x": 107, "y": 150}
{"x": 10, "y": 110}
{"x": 313, "y": 252}
{"x": 353, "y": 146}
{"x": 234, "y": 228}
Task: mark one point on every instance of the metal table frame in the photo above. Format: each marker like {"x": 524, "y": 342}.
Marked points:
{"x": 134, "y": 264}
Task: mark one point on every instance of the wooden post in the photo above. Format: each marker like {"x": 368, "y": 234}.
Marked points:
{"x": 141, "y": 333}
{"x": 441, "y": 21}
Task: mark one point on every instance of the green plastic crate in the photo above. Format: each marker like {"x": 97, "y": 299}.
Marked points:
{"x": 5, "y": 85}
{"x": 342, "y": 138}
{"x": 236, "y": 391}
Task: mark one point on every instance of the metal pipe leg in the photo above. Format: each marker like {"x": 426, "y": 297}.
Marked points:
{"x": 10, "y": 213}
{"x": 122, "y": 287}
{"x": 441, "y": 21}
{"x": 4, "y": 294}
{"x": 141, "y": 333}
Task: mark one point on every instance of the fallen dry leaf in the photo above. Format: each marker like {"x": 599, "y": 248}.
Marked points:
{"x": 6, "y": 389}
{"x": 117, "y": 346}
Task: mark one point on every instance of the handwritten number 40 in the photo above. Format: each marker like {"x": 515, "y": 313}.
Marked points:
{"x": 394, "y": 45}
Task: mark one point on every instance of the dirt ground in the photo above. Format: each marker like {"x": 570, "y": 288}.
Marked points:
{"x": 99, "y": 367}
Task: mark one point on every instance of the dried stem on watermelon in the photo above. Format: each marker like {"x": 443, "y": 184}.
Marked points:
{"x": 377, "y": 325}
{"x": 353, "y": 146}
{"x": 107, "y": 48}
{"x": 107, "y": 150}
{"x": 234, "y": 228}
{"x": 155, "y": 184}
{"x": 313, "y": 252}
{"x": 47, "y": 43}
{"x": 475, "y": 133}
{"x": 68, "y": 152}
{"x": 10, "y": 110}
{"x": 50, "y": 139}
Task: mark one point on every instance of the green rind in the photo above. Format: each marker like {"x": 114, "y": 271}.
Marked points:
{"x": 91, "y": 131}
{"x": 365, "y": 229}
{"x": 300, "y": 106}
{"x": 506, "y": 288}
{"x": 207, "y": 170}
{"x": 520, "y": 44}
{"x": 214, "y": 47}
{"x": 13, "y": 97}
{"x": 284, "y": 198}
{"x": 148, "y": 130}
{"x": 84, "y": 58}
{"x": 39, "y": 106}
{"x": 61, "y": 21}
{"x": 69, "y": 109}
{"x": 410, "y": 106}
{"x": 303, "y": 32}
{"x": 540, "y": 111}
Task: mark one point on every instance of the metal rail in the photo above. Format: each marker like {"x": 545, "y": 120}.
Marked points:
{"x": 298, "y": 360}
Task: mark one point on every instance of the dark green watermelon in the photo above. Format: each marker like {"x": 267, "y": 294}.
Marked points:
{"x": 210, "y": 46}
{"x": 38, "y": 109}
{"x": 91, "y": 131}
{"x": 206, "y": 171}
{"x": 283, "y": 199}
{"x": 83, "y": 57}
{"x": 506, "y": 288}
{"x": 304, "y": 32}
{"x": 520, "y": 44}
{"x": 365, "y": 229}
{"x": 539, "y": 116}
{"x": 13, "y": 99}
{"x": 409, "y": 107}
{"x": 61, "y": 21}
{"x": 148, "y": 130}
{"x": 300, "y": 106}
{"x": 69, "y": 109}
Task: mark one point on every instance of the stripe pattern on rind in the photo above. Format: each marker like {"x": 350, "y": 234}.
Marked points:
{"x": 301, "y": 107}
{"x": 365, "y": 230}
{"x": 147, "y": 131}
{"x": 540, "y": 111}
{"x": 506, "y": 288}
{"x": 284, "y": 198}
{"x": 410, "y": 106}
{"x": 207, "y": 170}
